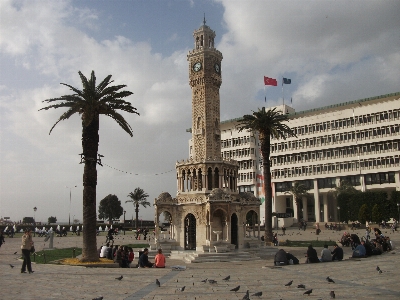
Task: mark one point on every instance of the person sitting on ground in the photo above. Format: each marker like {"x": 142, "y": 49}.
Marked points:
{"x": 109, "y": 252}
{"x": 294, "y": 259}
{"x": 312, "y": 256}
{"x": 360, "y": 251}
{"x": 337, "y": 253}
{"x": 354, "y": 240}
{"x": 103, "y": 250}
{"x": 281, "y": 258}
{"x": 325, "y": 254}
{"x": 125, "y": 257}
{"x": 144, "y": 259}
{"x": 159, "y": 260}
{"x": 118, "y": 256}
{"x": 131, "y": 256}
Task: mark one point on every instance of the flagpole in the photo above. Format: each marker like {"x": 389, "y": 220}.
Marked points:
{"x": 283, "y": 97}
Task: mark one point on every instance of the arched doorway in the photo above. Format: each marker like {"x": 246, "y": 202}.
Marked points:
{"x": 234, "y": 230}
{"x": 190, "y": 232}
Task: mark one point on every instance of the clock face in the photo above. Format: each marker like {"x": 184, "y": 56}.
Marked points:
{"x": 197, "y": 67}
{"x": 217, "y": 68}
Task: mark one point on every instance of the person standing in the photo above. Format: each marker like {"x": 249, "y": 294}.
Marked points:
{"x": 159, "y": 260}
{"x": 2, "y": 241}
{"x": 27, "y": 244}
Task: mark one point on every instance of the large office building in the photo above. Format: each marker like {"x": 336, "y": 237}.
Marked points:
{"x": 356, "y": 141}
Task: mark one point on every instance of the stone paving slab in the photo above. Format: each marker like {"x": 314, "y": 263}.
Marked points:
{"x": 353, "y": 278}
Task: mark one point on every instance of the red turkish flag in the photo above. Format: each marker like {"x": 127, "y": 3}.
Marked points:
{"x": 270, "y": 81}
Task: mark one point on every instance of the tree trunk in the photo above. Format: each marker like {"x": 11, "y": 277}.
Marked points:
{"x": 298, "y": 209}
{"x": 90, "y": 145}
{"x": 265, "y": 150}
{"x": 137, "y": 215}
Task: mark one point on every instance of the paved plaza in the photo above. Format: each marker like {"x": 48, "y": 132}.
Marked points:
{"x": 354, "y": 279}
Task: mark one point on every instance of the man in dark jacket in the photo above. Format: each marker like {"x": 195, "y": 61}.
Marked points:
{"x": 312, "y": 256}
{"x": 144, "y": 259}
{"x": 280, "y": 258}
{"x": 337, "y": 253}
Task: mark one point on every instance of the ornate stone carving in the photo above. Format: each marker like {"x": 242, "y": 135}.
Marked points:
{"x": 248, "y": 197}
{"x": 219, "y": 194}
{"x": 164, "y": 198}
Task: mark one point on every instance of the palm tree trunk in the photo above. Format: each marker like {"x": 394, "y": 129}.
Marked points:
{"x": 137, "y": 215}
{"x": 90, "y": 145}
{"x": 298, "y": 209}
{"x": 265, "y": 150}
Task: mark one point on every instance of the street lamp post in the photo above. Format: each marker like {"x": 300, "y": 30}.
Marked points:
{"x": 69, "y": 213}
{"x": 322, "y": 215}
{"x": 124, "y": 221}
{"x": 34, "y": 220}
{"x": 339, "y": 216}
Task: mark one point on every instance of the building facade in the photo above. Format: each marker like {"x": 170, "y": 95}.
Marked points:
{"x": 356, "y": 141}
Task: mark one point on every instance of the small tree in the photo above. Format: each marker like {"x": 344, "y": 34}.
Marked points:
{"x": 52, "y": 220}
{"x": 298, "y": 190}
{"x": 110, "y": 208}
{"x": 376, "y": 214}
{"x": 364, "y": 214}
{"x": 28, "y": 220}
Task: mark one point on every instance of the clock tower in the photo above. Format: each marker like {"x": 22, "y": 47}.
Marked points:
{"x": 207, "y": 212}
{"x": 205, "y": 81}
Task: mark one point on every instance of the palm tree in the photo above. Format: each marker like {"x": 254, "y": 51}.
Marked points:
{"x": 90, "y": 102}
{"x": 138, "y": 197}
{"x": 266, "y": 123}
{"x": 298, "y": 191}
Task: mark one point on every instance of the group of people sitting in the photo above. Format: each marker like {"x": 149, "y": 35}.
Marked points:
{"x": 159, "y": 260}
{"x": 124, "y": 256}
{"x": 285, "y": 258}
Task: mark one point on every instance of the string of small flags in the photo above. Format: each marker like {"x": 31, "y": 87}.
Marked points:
{"x": 122, "y": 171}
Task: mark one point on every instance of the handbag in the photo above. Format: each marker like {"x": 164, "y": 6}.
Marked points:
{"x": 33, "y": 249}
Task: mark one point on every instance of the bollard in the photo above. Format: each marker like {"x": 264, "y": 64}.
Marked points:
{"x": 73, "y": 253}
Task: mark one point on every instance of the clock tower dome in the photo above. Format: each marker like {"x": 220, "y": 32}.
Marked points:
{"x": 205, "y": 81}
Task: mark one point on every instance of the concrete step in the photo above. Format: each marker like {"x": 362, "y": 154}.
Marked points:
{"x": 199, "y": 257}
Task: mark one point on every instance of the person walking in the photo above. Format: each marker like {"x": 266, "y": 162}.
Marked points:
{"x": 27, "y": 244}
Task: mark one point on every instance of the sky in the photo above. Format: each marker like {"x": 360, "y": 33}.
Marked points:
{"x": 333, "y": 51}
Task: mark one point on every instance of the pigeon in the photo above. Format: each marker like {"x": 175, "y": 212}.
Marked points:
{"x": 301, "y": 286}
{"x": 235, "y": 289}
{"x": 289, "y": 283}
{"x": 15, "y": 252}
{"x": 380, "y": 271}
{"x": 98, "y": 298}
{"x": 329, "y": 279}
{"x": 258, "y": 294}
{"x": 205, "y": 280}
{"x": 119, "y": 278}
{"x": 227, "y": 278}
{"x": 11, "y": 266}
{"x": 307, "y": 292}
{"x": 332, "y": 294}
{"x": 182, "y": 289}
{"x": 212, "y": 281}
{"x": 377, "y": 268}
{"x": 246, "y": 296}
{"x": 158, "y": 283}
